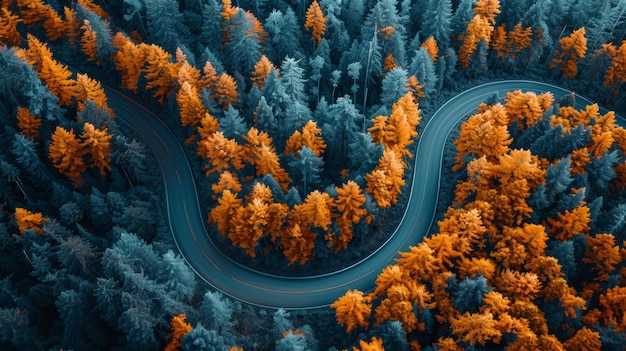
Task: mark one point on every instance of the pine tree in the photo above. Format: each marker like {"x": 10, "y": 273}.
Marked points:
{"x": 27, "y": 220}
{"x": 8, "y": 27}
{"x": 66, "y": 153}
{"x": 180, "y": 328}
{"x": 573, "y": 48}
{"x": 353, "y": 310}
{"x": 88, "y": 89}
{"x": 436, "y": 21}
{"x": 34, "y": 11}
{"x": 315, "y": 21}
{"x": 129, "y": 60}
{"x": 96, "y": 144}
{"x": 160, "y": 72}
{"x": 261, "y": 71}
{"x": 54, "y": 74}
{"x": 28, "y": 123}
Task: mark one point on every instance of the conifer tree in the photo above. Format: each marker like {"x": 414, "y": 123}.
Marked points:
{"x": 572, "y": 48}
{"x": 315, "y": 21}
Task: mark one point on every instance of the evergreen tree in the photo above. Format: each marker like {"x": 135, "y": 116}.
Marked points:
{"x": 165, "y": 24}
{"x": 436, "y": 22}
{"x": 307, "y": 166}
{"x": 394, "y": 86}
{"x": 423, "y": 69}
{"x": 232, "y": 125}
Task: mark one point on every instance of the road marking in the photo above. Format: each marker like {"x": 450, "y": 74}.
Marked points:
{"x": 304, "y": 291}
{"x": 213, "y": 263}
{"x": 188, "y": 223}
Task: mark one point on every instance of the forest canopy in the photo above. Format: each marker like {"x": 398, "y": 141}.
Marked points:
{"x": 300, "y": 120}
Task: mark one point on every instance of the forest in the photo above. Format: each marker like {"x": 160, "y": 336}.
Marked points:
{"x": 301, "y": 120}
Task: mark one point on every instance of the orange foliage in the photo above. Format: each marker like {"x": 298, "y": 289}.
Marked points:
{"x": 519, "y": 39}
{"x": 414, "y": 87}
{"x": 584, "y": 340}
{"x": 518, "y": 286}
{"x": 66, "y": 153}
{"x": 349, "y": 203}
{"x": 558, "y": 289}
{"x": 353, "y": 310}
{"x": 192, "y": 111}
{"x": 315, "y": 21}
{"x": 570, "y": 223}
{"x": 478, "y": 29}
{"x": 88, "y": 43}
{"x": 259, "y": 152}
{"x": 603, "y": 254}
{"x": 617, "y": 70}
{"x": 431, "y": 47}
{"x": 527, "y": 108}
{"x": 33, "y": 11}
{"x": 180, "y": 328}
{"x": 389, "y": 63}
{"x": 310, "y": 136}
{"x": 160, "y": 72}
{"x": 613, "y": 305}
{"x": 90, "y": 89}
{"x": 483, "y": 134}
{"x": 225, "y": 91}
{"x": 228, "y": 10}
{"x": 28, "y": 123}
{"x": 88, "y": 4}
{"x": 573, "y": 48}
{"x": 186, "y": 72}
{"x": 476, "y": 328}
{"x": 385, "y": 182}
{"x": 261, "y": 71}
{"x": 96, "y": 143}
{"x": 499, "y": 40}
{"x": 297, "y": 241}
{"x": 221, "y": 152}
{"x": 52, "y": 73}
{"x": 8, "y": 27}
{"x": 209, "y": 78}
{"x": 129, "y": 60}
{"x": 375, "y": 344}
{"x": 225, "y": 210}
{"x": 71, "y": 25}
{"x": 488, "y": 9}
{"x": 27, "y": 220}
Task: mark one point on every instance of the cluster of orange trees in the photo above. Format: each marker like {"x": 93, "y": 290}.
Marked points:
{"x": 492, "y": 276}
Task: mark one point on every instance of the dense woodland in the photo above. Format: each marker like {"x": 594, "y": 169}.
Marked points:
{"x": 300, "y": 120}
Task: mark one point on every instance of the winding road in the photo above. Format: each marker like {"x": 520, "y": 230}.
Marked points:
{"x": 187, "y": 222}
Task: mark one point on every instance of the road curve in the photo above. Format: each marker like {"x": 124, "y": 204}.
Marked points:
{"x": 187, "y": 222}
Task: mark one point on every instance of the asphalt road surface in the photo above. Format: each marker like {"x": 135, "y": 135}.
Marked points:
{"x": 188, "y": 224}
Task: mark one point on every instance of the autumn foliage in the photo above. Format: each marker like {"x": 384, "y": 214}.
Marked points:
{"x": 492, "y": 275}
{"x": 27, "y": 220}
{"x": 180, "y": 328}
{"x": 315, "y": 21}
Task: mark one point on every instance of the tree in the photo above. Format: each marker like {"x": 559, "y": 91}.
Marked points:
{"x": 603, "y": 254}
{"x": 488, "y": 9}
{"x": 180, "y": 328}
{"x": 225, "y": 91}
{"x": 260, "y": 153}
{"x": 66, "y": 152}
{"x": 261, "y": 70}
{"x": 243, "y": 36}
{"x": 160, "y": 72}
{"x": 96, "y": 144}
{"x": 375, "y": 344}
{"x": 310, "y": 136}
{"x": 315, "y": 21}
{"x": 27, "y": 220}
{"x": 573, "y": 48}
{"x": 221, "y": 153}
{"x": 192, "y": 111}
{"x": 308, "y": 166}
{"x": 129, "y": 60}
{"x": 34, "y": 11}
{"x": 584, "y": 340}
{"x": 28, "y": 123}
{"x": 476, "y": 328}
{"x": 349, "y": 206}
{"x": 88, "y": 89}
{"x": 8, "y": 27}
{"x": 52, "y": 73}
{"x": 430, "y": 45}
{"x": 165, "y": 23}
{"x": 352, "y": 310}
{"x": 436, "y": 22}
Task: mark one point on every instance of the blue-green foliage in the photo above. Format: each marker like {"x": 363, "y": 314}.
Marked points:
{"x": 468, "y": 293}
